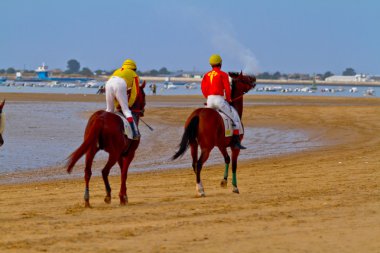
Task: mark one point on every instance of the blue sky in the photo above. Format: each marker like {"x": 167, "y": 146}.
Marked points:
{"x": 290, "y": 36}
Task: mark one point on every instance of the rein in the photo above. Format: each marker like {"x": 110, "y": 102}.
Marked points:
{"x": 232, "y": 100}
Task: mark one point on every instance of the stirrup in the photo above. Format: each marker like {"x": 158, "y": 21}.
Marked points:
{"x": 239, "y": 146}
{"x": 236, "y": 142}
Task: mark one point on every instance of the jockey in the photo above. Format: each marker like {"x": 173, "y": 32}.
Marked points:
{"x": 215, "y": 84}
{"x": 121, "y": 92}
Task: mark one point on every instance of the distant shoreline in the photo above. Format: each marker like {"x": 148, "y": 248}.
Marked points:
{"x": 198, "y": 80}
{"x": 264, "y": 81}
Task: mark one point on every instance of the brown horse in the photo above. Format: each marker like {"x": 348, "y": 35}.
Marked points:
{"x": 105, "y": 131}
{"x": 205, "y": 127}
{"x": 2, "y": 123}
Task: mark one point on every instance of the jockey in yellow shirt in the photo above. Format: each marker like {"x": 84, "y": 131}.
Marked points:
{"x": 121, "y": 91}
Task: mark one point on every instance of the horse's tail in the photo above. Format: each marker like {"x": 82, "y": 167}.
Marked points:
{"x": 90, "y": 140}
{"x": 189, "y": 135}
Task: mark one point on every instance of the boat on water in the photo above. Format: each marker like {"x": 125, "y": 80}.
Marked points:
{"x": 170, "y": 85}
{"x": 353, "y": 90}
{"x": 43, "y": 75}
{"x": 94, "y": 84}
{"x": 369, "y": 92}
{"x": 191, "y": 85}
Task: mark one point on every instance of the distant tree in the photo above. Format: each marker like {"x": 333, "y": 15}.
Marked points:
{"x": 349, "y": 72}
{"x": 295, "y": 76}
{"x": 264, "y": 75}
{"x": 86, "y": 72}
{"x": 327, "y": 74}
{"x": 2, "y": 71}
{"x": 153, "y": 72}
{"x": 99, "y": 72}
{"x": 11, "y": 71}
{"x": 163, "y": 71}
{"x": 277, "y": 75}
{"x": 73, "y": 66}
{"x": 318, "y": 76}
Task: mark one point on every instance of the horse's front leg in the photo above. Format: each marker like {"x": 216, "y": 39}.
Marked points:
{"x": 126, "y": 161}
{"x": 227, "y": 160}
{"x": 235, "y": 154}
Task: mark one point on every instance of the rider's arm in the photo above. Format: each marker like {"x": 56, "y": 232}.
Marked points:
{"x": 205, "y": 86}
{"x": 134, "y": 90}
{"x": 227, "y": 88}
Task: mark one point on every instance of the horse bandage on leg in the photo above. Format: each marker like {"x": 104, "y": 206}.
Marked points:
{"x": 234, "y": 181}
{"x": 226, "y": 171}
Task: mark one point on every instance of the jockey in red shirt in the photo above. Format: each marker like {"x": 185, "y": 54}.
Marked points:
{"x": 215, "y": 85}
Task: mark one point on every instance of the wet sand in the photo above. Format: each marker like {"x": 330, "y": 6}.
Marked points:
{"x": 322, "y": 200}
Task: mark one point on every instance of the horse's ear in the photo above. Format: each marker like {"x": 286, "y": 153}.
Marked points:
{"x": 233, "y": 74}
{"x": 142, "y": 86}
{"x": 241, "y": 72}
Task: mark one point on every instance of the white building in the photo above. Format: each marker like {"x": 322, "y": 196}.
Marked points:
{"x": 355, "y": 78}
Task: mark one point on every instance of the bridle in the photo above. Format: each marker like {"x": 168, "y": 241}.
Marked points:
{"x": 245, "y": 82}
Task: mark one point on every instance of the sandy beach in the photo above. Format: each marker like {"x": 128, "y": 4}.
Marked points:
{"x": 326, "y": 199}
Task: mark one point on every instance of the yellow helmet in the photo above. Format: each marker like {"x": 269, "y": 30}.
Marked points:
{"x": 215, "y": 59}
{"x": 129, "y": 64}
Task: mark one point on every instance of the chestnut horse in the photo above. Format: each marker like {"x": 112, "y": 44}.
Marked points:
{"x": 205, "y": 127}
{"x": 105, "y": 131}
{"x": 2, "y": 123}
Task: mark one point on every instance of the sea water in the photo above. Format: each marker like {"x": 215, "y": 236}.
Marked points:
{"x": 44, "y": 134}
{"x": 181, "y": 89}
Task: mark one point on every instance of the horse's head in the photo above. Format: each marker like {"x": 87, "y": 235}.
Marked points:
{"x": 139, "y": 106}
{"x": 241, "y": 83}
{"x": 2, "y": 122}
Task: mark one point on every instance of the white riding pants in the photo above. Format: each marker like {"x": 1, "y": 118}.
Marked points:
{"x": 117, "y": 88}
{"x": 218, "y": 102}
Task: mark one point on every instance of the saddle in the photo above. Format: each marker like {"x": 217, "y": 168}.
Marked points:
{"x": 229, "y": 125}
{"x": 127, "y": 126}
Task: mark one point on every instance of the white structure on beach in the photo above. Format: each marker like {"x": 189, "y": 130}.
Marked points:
{"x": 355, "y": 78}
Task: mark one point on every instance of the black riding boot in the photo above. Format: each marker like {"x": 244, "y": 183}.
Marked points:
{"x": 135, "y": 131}
{"x": 236, "y": 142}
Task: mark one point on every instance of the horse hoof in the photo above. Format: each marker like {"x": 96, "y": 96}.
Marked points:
{"x": 235, "y": 190}
{"x": 200, "y": 190}
{"x": 223, "y": 183}
{"x": 87, "y": 204}
{"x": 123, "y": 200}
{"x": 107, "y": 199}
{"x": 201, "y": 194}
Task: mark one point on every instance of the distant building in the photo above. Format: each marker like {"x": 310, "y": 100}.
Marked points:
{"x": 355, "y": 78}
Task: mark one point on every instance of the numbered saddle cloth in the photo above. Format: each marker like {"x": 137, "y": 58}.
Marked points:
{"x": 228, "y": 125}
{"x": 127, "y": 126}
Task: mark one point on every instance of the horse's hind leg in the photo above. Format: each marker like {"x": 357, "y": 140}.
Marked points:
{"x": 227, "y": 160}
{"x": 202, "y": 159}
{"x": 235, "y": 154}
{"x": 112, "y": 159}
{"x": 194, "y": 155}
{"x": 87, "y": 175}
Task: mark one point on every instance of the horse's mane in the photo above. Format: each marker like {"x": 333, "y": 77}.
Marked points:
{"x": 239, "y": 76}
